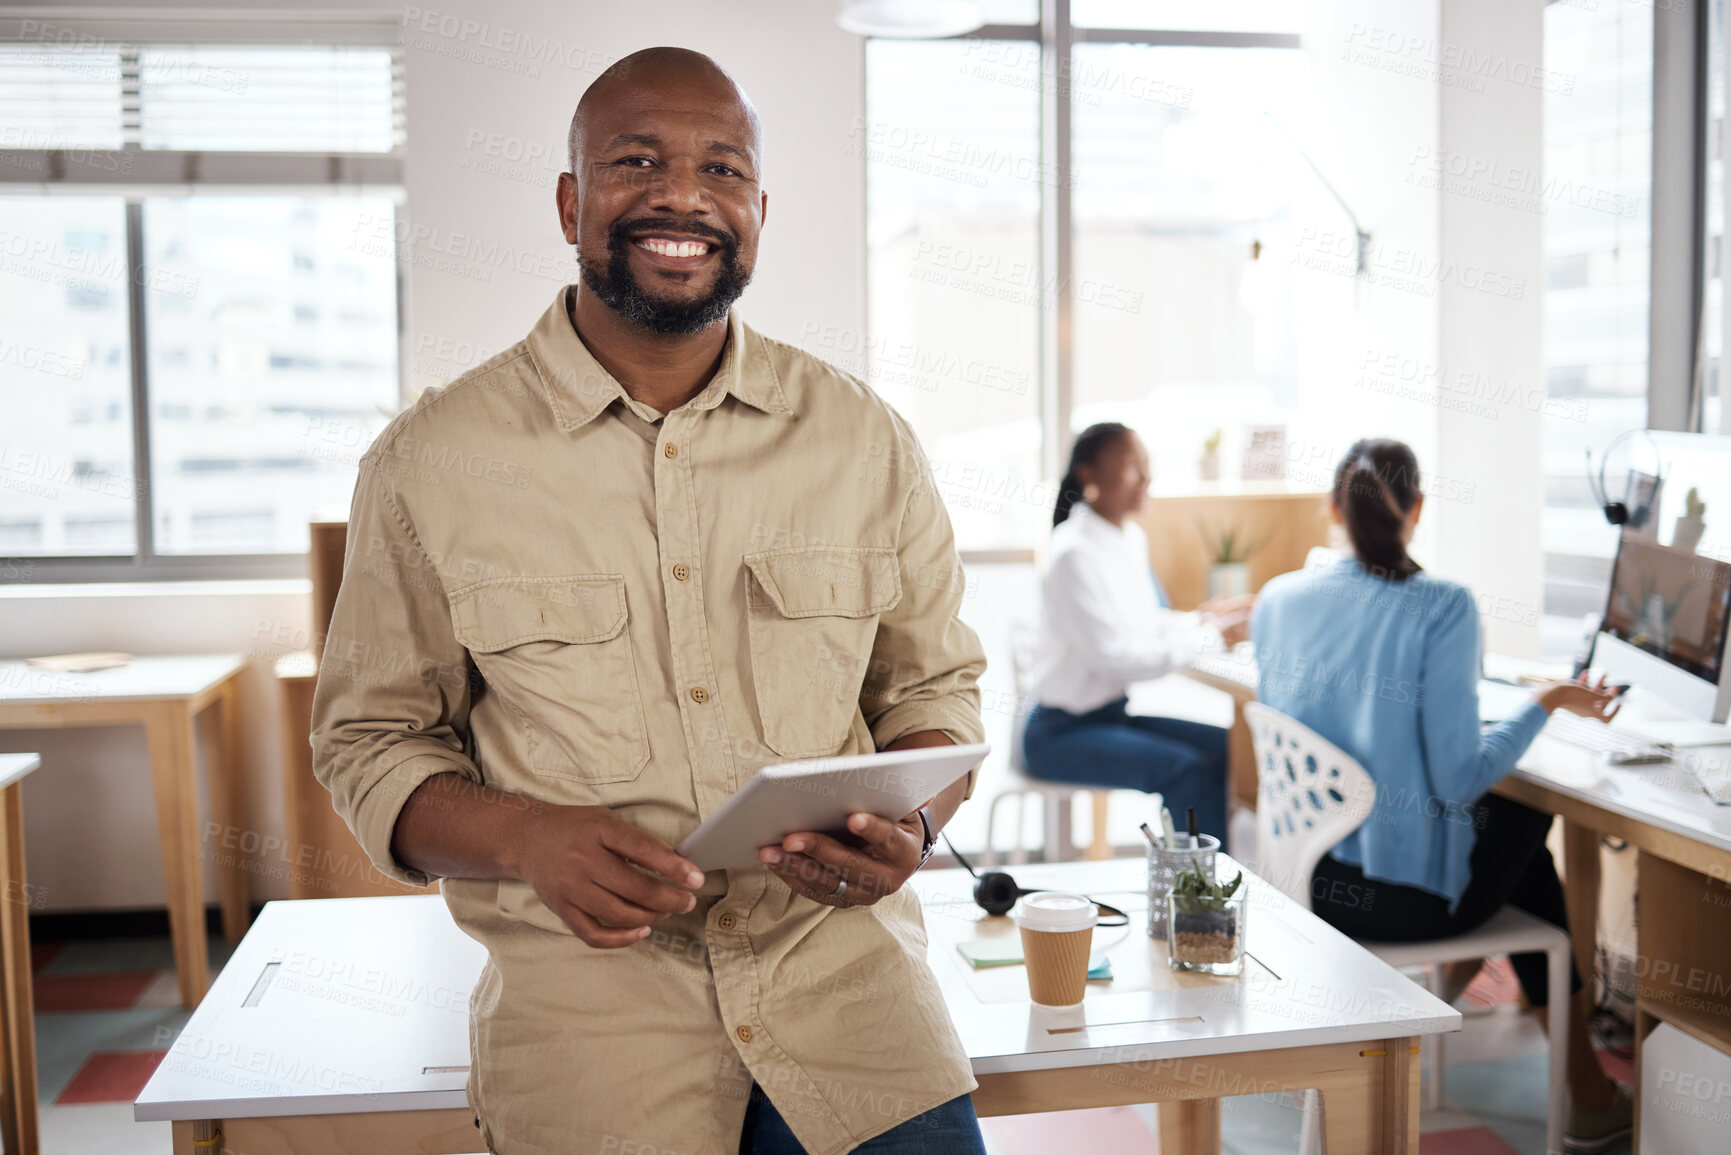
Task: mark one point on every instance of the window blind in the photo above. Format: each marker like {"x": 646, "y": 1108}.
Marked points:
{"x": 202, "y": 98}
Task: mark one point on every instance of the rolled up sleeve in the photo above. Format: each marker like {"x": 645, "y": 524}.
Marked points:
{"x": 392, "y": 702}
{"x": 926, "y": 662}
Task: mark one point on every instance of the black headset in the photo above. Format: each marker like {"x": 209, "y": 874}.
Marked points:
{"x": 1618, "y": 512}
{"x": 996, "y": 892}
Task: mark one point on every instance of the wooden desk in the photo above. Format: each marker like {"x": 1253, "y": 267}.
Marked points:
{"x": 315, "y": 1067}
{"x": 1683, "y": 870}
{"x": 165, "y": 695}
{"x": 18, "y": 1127}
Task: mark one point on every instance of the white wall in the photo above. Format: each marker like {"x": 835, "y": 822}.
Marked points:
{"x": 804, "y": 73}
{"x": 90, "y": 826}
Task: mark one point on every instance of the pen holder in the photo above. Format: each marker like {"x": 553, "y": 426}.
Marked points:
{"x": 1164, "y": 865}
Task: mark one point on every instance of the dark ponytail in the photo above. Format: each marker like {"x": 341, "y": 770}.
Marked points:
{"x": 1086, "y": 451}
{"x": 1375, "y": 486}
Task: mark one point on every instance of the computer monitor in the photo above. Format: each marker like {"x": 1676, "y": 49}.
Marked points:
{"x": 1665, "y": 627}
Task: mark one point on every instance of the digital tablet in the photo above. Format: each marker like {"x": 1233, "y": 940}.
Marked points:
{"x": 818, "y": 794}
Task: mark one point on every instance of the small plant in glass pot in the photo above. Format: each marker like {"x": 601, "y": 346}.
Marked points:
{"x": 1206, "y": 924}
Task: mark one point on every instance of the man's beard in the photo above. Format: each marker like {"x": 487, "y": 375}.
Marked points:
{"x": 618, "y": 288}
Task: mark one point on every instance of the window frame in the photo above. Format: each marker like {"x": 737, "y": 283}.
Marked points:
{"x": 1057, "y": 38}
{"x": 133, "y": 174}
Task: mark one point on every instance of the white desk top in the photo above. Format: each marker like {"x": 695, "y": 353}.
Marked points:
{"x": 1313, "y": 985}
{"x": 367, "y": 1007}
{"x": 1665, "y": 795}
{"x": 360, "y": 1004}
{"x": 14, "y": 767}
{"x": 143, "y": 678}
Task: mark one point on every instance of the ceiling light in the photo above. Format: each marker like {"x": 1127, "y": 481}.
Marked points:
{"x": 911, "y": 19}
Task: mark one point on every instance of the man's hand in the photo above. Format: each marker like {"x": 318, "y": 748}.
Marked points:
{"x": 596, "y": 871}
{"x": 813, "y": 864}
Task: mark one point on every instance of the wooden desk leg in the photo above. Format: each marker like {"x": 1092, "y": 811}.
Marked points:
{"x": 1400, "y": 1096}
{"x": 1100, "y": 845}
{"x": 1189, "y": 1127}
{"x": 17, "y": 1010}
{"x": 193, "y": 1136}
{"x": 1242, "y": 784}
{"x": 169, "y": 734}
{"x": 1581, "y": 896}
{"x": 228, "y": 808}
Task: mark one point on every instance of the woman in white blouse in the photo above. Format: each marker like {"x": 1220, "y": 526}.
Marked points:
{"x": 1107, "y": 623}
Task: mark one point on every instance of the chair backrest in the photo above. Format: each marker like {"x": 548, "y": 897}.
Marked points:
{"x": 1024, "y": 649}
{"x": 1312, "y": 794}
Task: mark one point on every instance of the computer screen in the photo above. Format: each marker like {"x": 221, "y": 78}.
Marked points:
{"x": 1670, "y": 592}
{"x": 1672, "y": 604}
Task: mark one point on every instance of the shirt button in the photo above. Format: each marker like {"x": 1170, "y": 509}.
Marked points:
{"x": 681, "y": 572}
{"x": 670, "y": 449}
{"x": 699, "y": 695}
{"x": 744, "y": 1033}
{"x": 727, "y": 922}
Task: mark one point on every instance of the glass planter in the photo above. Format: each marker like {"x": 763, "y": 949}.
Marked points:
{"x": 1206, "y": 934}
{"x": 1165, "y": 865}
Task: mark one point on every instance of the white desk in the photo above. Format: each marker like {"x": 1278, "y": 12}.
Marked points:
{"x": 359, "y": 1039}
{"x": 165, "y": 695}
{"x": 18, "y": 1126}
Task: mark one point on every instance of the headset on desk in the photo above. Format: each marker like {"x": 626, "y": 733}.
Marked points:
{"x": 996, "y": 892}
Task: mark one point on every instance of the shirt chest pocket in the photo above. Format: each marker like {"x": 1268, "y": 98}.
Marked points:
{"x": 557, "y": 653}
{"x": 813, "y": 619}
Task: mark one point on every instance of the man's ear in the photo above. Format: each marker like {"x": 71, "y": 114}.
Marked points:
{"x": 565, "y": 197}
{"x": 762, "y": 209}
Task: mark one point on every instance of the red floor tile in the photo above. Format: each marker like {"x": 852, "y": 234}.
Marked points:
{"x": 111, "y": 1077}
{"x": 1103, "y": 1129}
{"x": 95, "y": 992}
{"x": 43, "y": 953}
{"x": 1466, "y": 1141}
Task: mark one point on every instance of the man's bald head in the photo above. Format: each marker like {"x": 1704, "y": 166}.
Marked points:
{"x": 660, "y": 69}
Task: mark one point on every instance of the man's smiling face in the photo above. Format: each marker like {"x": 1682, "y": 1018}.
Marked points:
{"x": 668, "y": 205}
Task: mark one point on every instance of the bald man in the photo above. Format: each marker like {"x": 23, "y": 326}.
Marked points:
{"x": 592, "y": 586}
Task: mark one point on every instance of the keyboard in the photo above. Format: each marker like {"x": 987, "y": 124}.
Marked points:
{"x": 1586, "y": 734}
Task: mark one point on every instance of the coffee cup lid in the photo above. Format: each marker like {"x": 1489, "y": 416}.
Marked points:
{"x": 1054, "y": 911}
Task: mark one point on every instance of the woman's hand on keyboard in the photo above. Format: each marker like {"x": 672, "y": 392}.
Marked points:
{"x": 1589, "y": 700}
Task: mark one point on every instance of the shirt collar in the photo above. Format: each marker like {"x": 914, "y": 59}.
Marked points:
{"x": 579, "y": 389}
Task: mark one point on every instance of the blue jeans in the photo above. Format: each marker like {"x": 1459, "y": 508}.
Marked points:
{"x": 947, "y": 1129}
{"x": 1110, "y": 747}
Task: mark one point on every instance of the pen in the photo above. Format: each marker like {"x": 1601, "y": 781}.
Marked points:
{"x": 1168, "y": 832}
{"x": 1190, "y": 825}
{"x": 1149, "y": 835}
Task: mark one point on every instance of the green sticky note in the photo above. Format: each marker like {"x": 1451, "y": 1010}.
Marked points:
{"x": 1003, "y": 952}
{"x": 991, "y": 952}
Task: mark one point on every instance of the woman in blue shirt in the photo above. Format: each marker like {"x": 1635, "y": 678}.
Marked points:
{"x": 1383, "y": 660}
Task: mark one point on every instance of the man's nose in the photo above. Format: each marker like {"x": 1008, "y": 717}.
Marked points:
{"x": 677, "y": 189}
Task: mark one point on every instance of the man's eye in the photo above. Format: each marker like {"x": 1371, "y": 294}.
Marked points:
{"x": 724, "y": 170}
{"x": 632, "y": 161}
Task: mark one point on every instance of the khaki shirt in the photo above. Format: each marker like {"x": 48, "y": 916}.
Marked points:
{"x": 559, "y": 593}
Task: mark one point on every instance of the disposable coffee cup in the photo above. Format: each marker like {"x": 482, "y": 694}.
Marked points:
{"x": 1057, "y": 930}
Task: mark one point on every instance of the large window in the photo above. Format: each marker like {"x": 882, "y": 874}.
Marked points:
{"x": 1036, "y": 263}
{"x": 1183, "y": 258}
{"x": 955, "y": 284}
{"x": 1598, "y": 175}
{"x": 200, "y": 286}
